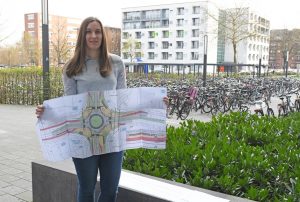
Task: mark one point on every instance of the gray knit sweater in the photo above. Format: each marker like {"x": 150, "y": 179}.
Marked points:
{"x": 91, "y": 80}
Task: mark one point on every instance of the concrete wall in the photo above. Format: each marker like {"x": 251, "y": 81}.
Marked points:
{"x": 57, "y": 182}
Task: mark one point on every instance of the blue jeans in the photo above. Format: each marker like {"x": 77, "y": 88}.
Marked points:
{"x": 109, "y": 166}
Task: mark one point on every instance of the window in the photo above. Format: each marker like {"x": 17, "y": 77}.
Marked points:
{"x": 165, "y": 55}
{"x": 165, "y": 44}
{"x": 180, "y": 11}
{"x": 30, "y": 17}
{"x": 194, "y": 55}
{"x": 165, "y": 23}
{"x": 150, "y": 55}
{"x": 179, "y": 44}
{"x": 196, "y": 9}
{"x": 30, "y": 25}
{"x": 138, "y": 35}
{"x": 179, "y": 33}
{"x": 151, "y": 45}
{"x": 179, "y": 22}
{"x": 138, "y": 54}
{"x": 165, "y": 34}
{"x": 138, "y": 45}
{"x": 126, "y": 35}
{"x": 196, "y": 21}
{"x": 195, "y": 33}
{"x": 179, "y": 55}
{"x": 195, "y": 44}
{"x": 151, "y": 34}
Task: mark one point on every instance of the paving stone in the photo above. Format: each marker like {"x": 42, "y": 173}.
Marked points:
{"x": 7, "y": 162}
{"x": 12, "y": 171}
{"x": 26, "y": 196}
{"x": 3, "y": 184}
{"x": 22, "y": 184}
{"x": 4, "y": 167}
{"x": 26, "y": 176}
{"x": 11, "y": 157}
{"x": 9, "y": 198}
{"x": 24, "y": 160}
{"x": 13, "y": 190}
{"x": 8, "y": 178}
{"x": 1, "y": 193}
{"x": 22, "y": 167}
{"x": 2, "y": 173}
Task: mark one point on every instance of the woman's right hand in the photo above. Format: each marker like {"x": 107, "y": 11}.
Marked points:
{"x": 39, "y": 110}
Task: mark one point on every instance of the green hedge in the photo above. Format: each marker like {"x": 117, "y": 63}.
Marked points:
{"x": 237, "y": 154}
{"x": 25, "y": 85}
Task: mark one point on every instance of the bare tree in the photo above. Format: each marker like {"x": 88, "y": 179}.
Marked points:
{"x": 59, "y": 47}
{"x": 234, "y": 25}
{"x": 2, "y": 28}
{"x": 10, "y": 55}
{"x": 132, "y": 48}
{"x": 31, "y": 50}
{"x": 113, "y": 39}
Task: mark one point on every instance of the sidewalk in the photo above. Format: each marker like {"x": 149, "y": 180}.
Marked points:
{"x": 19, "y": 146}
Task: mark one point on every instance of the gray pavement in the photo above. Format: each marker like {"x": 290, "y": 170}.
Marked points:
{"x": 19, "y": 146}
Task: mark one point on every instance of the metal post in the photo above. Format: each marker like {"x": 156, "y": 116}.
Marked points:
{"x": 286, "y": 63}
{"x": 204, "y": 59}
{"x": 259, "y": 67}
{"x": 45, "y": 45}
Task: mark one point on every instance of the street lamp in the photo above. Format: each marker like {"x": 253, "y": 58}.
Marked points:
{"x": 259, "y": 62}
{"x": 205, "y": 38}
{"x": 45, "y": 46}
{"x": 286, "y": 62}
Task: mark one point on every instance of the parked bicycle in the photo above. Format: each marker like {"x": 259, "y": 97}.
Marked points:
{"x": 260, "y": 105}
{"x": 287, "y": 106}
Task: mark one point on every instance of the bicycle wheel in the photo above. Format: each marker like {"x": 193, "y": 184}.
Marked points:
{"x": 185, "y": 111}
{"x": 297, "y": 105}
{"x": 197, "y": 104}
{"x": 270, "y": 112}
{"x": 281, "y": 111}
{"x": 244, "y": 109}
{"x": 171, "y": 110}
{"x": 259, "y": 112}
{"x": 207, "y": 106}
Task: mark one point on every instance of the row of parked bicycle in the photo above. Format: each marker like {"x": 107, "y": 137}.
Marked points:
{"x": 223, "y": 95}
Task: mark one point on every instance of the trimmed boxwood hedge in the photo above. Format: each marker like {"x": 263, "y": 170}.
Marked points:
{"x": 237, "y": 154}
{"x": 25, "y": 85}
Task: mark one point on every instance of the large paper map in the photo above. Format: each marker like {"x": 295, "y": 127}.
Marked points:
{"x": 96, "y": 123}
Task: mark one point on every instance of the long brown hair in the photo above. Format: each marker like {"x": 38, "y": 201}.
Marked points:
{"x": 77, "y": 62}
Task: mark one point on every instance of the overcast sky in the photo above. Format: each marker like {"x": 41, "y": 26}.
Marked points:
{"x": 282, "y": 14}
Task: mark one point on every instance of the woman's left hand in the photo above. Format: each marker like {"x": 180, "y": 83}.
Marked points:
{"x": 166, "y": 101}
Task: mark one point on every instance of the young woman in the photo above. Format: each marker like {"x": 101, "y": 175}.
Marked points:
{"x": 92, "y": 68}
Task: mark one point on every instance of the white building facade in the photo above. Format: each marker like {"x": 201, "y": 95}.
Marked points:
{"x": 253, "y": 48}
{"x": 169, "y": 33}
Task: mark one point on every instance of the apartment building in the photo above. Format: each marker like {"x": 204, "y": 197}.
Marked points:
{"x": 62, "y": 36}
{"x": 113, "y": 35}
{"x": 169, "y": 33}
{"x": 285, "y": 45}
{"x": 253, "y": 37}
